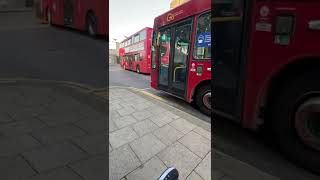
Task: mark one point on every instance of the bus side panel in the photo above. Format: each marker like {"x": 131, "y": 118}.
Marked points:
{"x": 100, "y": 10}
{"x": 154, "y": 71}
{"x": 57, "y": 12}
{"x": 148, "y": 52}
{"x": 45, "y": 4}
{"x": 103, "y": 20}
{"x": 267, "y": 58}
{"x": 194, "y": 80}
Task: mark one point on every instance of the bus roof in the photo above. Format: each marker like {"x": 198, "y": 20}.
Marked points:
{"x": 149, "y": 28}
{"x": 183, "y": 11}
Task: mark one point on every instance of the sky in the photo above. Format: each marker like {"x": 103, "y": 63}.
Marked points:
{"x": 127, "y": 17}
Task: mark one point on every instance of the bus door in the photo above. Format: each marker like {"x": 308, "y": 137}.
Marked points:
{"x": 173, "y": 58}
{"x": 68, "y": 11}
{"x": 227, "y": 40}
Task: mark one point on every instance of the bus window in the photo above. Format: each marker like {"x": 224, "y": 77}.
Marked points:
{"x": 202, "y": 45}
{"x": 135, "y": 39}
{"x": 142, "y": 35}
{"x": 153, "y": 49}
{"x": 137, "y": 57}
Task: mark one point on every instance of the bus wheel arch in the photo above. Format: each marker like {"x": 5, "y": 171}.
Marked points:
{"x": 287, "y": 92}
{"x": 202, "y": 96}
{"x": 279, "y": 78}
{"x": 91, "y": 23}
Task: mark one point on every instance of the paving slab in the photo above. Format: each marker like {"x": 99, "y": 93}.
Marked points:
{"x": 122, "y": 137}
{"x": 147, "y": 146}
{"x": 177, "y": 155}
{"x": 161, "y": 119}
{"x": 235, "y": 169}
{"x": 142, "y": 106}
{"x": 141, "y": 115}
{"x": 5, "y": 118}
{"x": 56, "y": 117}
{"x": 196, "y": 143}
{"x": 64, "y": 173}
{"x": 124, "y": 121}
{"x": 93, "y": 125}
{"x": 112, "y": 126}
{"x": 217, "y": 174}
{"x": 94, "y": 168}
{"x": 152, "y": 169}
{"x": 204, "y": 168}
{"x": 50, "y": 157}
{"x": 16, "y": 128}
{"x": 15, "y": 168}
{"x": 144, "y": 127}
{"x": 52, "y": 135}
{"x": 202, "y": 132}
{"x": 17, "y": 144}
{"x": 126, "y": 111}
{"x": 93, "y": 144}
{"x": 123, "y": 162}
{"x": 183, "y": 125}
{"x": 194, "y": 176}
{"x": 167, "y": 134}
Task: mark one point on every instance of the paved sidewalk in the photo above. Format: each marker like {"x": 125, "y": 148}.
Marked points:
{"x": 147, "y": 136}
{"x": 51, "y": 131}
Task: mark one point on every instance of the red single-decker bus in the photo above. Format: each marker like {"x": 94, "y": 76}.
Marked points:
{"x": 181, "y": 53}
{"x": 266, "y": 71}
{"x": 88, "y": 15}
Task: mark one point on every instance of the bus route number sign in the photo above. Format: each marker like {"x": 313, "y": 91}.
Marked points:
{"x": 204, "y": 39}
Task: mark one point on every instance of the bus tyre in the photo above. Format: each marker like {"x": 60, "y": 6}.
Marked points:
{"x": 295, "y": 120}
{"x": 91, "y": 24}
{"x": 138, "y": 69}
{"x": 203, "y": 99}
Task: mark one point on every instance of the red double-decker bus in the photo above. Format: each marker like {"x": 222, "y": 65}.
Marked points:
{"x": 90, "y": 16}
{"x": 266, "y": 57}
{"x": 181, "y": 53}
{"x": 135, "y": 51}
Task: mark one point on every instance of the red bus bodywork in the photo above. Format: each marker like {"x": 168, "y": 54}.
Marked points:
{"x": 141, "y": 48}
{"x": 277, "y": 46}
{"x": 81, "y": 9}
{"x": 191, "y": 9}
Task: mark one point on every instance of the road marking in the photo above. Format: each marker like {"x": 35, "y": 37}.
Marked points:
{"x": 79, "y": 86}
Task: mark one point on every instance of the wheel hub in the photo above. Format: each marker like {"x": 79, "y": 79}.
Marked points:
{"x": 307, "y": 122}
{"x": 207, "y": 100}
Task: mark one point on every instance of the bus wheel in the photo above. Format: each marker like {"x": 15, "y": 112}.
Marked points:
{"x": 91, "y": 24}
{"x": 203, "y": 99}
{"x": 295, "y": 117}
{"x": 138, "y": 69}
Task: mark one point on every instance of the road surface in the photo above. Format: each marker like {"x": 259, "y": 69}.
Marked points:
{"x": 33, "y": 50}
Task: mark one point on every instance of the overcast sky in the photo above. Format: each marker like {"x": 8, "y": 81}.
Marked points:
{"x": 126, "y": 17}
